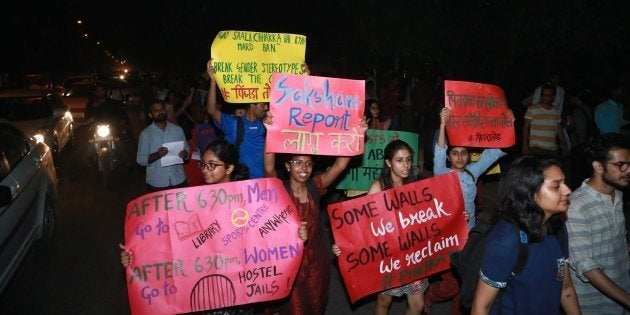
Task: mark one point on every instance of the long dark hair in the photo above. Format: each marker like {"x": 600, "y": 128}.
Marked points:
{"x": 368, "y": 112}
{"x": 517, "y": 190}
{"x": 386, "y": 172}
{"x": 227, "y": 153}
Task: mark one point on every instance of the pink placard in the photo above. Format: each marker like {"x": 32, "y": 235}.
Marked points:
{"x": 479, "y": 115}
{"x": 316, "y": 115}
{"x": 211, "y": 247}
{"x": 400, "y": 235}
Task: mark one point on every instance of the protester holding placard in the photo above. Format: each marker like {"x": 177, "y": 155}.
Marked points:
{"x": 310, "y": 292}
{"x": 251, "y": 140}
{"x": 534, "y": 200}
{"x": 459, "y": 159}
{"x": 219, "y": 164}
{"x": 468, "y": 174}
{"x": 397, "y": 170}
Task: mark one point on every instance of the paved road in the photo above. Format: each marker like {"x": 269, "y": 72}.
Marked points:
{"x": 80, "y": 272}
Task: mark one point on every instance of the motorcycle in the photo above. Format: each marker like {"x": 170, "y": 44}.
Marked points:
{"x": 107, "y": 145}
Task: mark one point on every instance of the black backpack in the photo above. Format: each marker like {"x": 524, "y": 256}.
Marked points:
{"x": 467, "y": 262}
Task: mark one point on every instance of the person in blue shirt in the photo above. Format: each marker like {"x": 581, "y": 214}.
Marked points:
{"x": 459, "y": 158}
{"x": 151, "y": 150}
{"x": 468, "y": 175}
{"x": 534, "y": 199}
{"x": 609, "y": 114}
{"x": 252, "y": 148}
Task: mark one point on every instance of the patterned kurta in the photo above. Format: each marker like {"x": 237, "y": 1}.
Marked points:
{"x": 309, "y": 294}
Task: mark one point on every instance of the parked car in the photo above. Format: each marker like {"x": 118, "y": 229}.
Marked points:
{"x": 28, "y": 196}
{"x": 40, "y": 113}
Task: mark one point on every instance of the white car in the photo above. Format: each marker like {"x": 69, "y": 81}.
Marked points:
{"x": 28, "y": 196}
{"x": 40, "y": 113}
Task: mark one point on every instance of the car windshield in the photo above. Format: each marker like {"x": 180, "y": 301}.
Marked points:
{"x": 24, "y": 108}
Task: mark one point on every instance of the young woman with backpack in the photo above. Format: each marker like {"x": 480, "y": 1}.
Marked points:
{"x": 468, "y": 174}
{"x": 534, "y": 200}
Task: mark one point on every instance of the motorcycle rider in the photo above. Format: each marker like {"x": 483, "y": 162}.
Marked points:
{"x": 101, "y": 108}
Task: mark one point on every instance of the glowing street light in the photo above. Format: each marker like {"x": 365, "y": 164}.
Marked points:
{"x": 79, "y": 22}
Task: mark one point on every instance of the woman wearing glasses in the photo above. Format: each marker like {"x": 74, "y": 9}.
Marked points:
{"x": 310, "y": 291}
{"x": 219, "y": 164}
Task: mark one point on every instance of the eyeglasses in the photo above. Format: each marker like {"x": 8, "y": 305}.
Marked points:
{"x": 209, "y": 166}
{"x": 300, "y": 163}
{"x": 622, "y": 166}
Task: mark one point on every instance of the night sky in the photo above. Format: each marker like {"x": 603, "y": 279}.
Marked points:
{"x": 482, "y": 40}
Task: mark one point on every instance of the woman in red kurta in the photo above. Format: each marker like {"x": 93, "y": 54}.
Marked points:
{"x": 309, "y": 294}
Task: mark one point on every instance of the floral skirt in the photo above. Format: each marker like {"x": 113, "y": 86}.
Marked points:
{"x": 413, "y": 288}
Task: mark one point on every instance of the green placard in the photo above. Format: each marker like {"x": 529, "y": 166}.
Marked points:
{"x": 364, "y": 169}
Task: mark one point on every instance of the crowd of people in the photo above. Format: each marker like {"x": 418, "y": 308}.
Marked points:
{"x": 569, "y": 140}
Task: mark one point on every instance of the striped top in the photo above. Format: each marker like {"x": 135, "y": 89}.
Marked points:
{"x": 596, "y": 230}
{"x": 544, "y": 127}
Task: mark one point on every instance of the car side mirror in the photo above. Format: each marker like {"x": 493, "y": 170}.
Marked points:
{"x": 5, "y": 196}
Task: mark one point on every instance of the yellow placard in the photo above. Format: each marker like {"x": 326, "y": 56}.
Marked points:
{"x": 244, "y": 61}
{"x": 474, "y": 157}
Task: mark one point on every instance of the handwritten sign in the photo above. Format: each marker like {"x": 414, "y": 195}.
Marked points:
{"x": 480, "y": 115}
{"x": 316, "y": 115}
{"x": 363, "y": 170}
{"x": 400, "y": 235}
{"x": 244, "y": 62}
{"x": 212, "y": 246}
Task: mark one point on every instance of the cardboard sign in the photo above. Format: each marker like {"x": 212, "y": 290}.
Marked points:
{"x": 316, "y": 115}
{"x": 480, "y": 115}
{"x": 362, "y": 171}
{"x": 400, "y": 235}
{"x": 210, "y": 247}
{"x": 244, "y": 62}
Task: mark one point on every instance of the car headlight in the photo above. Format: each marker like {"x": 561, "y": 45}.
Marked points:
{"x": 102, "y": 130}
{"x": 39, "y": 137}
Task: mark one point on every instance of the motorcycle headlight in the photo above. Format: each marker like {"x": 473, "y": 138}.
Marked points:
{"x": 102, "y": 130}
